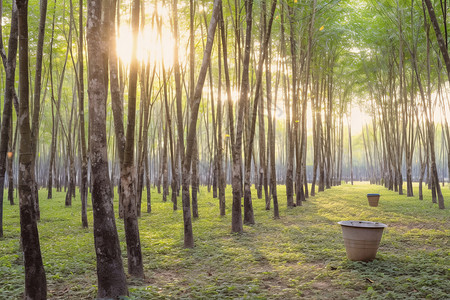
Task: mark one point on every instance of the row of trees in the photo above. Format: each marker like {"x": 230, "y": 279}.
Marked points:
{"x": 405, "y": 88}
{"x": 244, "y": 65}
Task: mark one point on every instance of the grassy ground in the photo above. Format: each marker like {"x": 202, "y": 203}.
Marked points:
{"x": 299, "y": 256}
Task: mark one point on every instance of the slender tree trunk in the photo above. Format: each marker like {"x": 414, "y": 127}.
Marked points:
{"x": 37, "y": 97}
{"x": 243, "y": 103}
{"x": 165, "y": 168}
{"x": 292, "y": 138}
{"x": 194, "y": 167}
{"x": 35, "y": 281}
{"x": 11, "y": 155}
{"x": 143, "y": 121}
{"x": 52, "y": 165}
{"x": 422, "y": 174}
{"x": 10, "y": 68}
{"x": 236, "y": 223}
{"x": 116, "y": 95}
{"x": 315, "y": 110}
{"x": 84, "y": 161}
{"x": 350, "y": 149}
{"x": 12, "y": 150}
{"x": 69, "y": 159}
{"x": 321, "y": 146}
{"x": 170, "y": 142}
{"x": 441, "y": 42}
{"x": 178, "y": 91}
{"x": 248, "y": 208}
{"x": 110, "y": 274}
{"x": 143, "y": 159}
{"x": 188, "y": 234}
{"x": 236, "y": 161}
{"x": 128, "y": 169}
{"x": 148, "y": 184}
{"x": 303, "y": 178}
{"x": 271, "y": 136}
{"x": 219, "y": 158}
{"x": 260, "y": 174}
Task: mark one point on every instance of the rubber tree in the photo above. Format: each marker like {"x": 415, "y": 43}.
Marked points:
{"x": 35, "y": 280}
{"x": 110, "y": 273}
{"x": 195, "y": 105}
{"x": 128, "y": 169}
{"x": 9, "y": 63}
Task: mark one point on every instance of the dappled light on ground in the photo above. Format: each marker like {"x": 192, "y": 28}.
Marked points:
{"x": 302, "y": 255}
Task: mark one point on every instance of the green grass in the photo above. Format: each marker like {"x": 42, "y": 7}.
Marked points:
{"x": 299, "y": 256}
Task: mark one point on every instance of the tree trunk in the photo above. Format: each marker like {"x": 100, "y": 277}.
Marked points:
{"x": 194, "y": 166}
{"x": 219, "y": 146}
{"x": 262, "y": 134}
{"x": 271, "y": 135}
{"x": 350, "y": 150}
{"x": 243, "y": 103}
{"x": 248, "y": 208}
{"x": 35, "y": 281}
{"x": 37, "y": 96}
{"x": 236, "y": 223}
{"x": 55, "y": 127}
{"x": 441, "y": 42}
{"x": 303, "y": 178}
{"x": 178, "y": 91}
{"x": 128, "y": 169}
{"x": 315, "y": 111}
{"x": 84, "y": 162}
{"x": 169, "y": 132}
{"x": 148, "y": 184}
{"x": 11, "y": 155}
{"x": 10, "y": 68}
{"x": 165, "y": 171}
{"x": 292, "y": 125}
{"x": 110, "y": 274}
{"x": 188, "y": 234}
{"x": 12, "y": 150}
{"x": 116, "y": 95}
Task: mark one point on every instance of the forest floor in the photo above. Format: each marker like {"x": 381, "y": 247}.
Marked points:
{"x": 300, "y": 256}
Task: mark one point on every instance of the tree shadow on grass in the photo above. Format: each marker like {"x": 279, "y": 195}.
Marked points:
{"x": 401, "y": 276}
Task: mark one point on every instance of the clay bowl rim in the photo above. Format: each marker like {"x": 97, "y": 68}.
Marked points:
{"x": 362, "y": 224}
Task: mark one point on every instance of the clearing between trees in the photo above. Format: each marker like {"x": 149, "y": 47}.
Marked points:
{"x": 301, "y": 255}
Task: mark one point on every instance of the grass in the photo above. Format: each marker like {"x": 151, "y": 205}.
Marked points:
{"x": 299, "y": 256}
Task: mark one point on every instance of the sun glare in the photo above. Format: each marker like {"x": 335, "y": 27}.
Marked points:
{"x": 358, "y": 119}
{"x": 153, "y": 47}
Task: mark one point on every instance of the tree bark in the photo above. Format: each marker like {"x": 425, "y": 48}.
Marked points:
{"x": 262, "y": 180}
{"x": 10, "y": 68}
{"x": 53, "y": 146}
{"x": 178, "y": 91}
{"x": 164, "y": 163}
{"x": 12, "y": 150}
{"x": 128, "y": 169}
{"x": 35, "y": 281}
{"x": 271, "y": 134}
{"x": 37, "y": 95}
{"x": 188, "y": 234}
{"x": 110, "y": 274}
{"x": 116, "y": 95}
{"x": 84, "y": 162}
{"x": 194, "y": 166}
{"x": 236, "y": 223}
{"x": 219, "y": 158}
{"x": 248, "y": 208}
{"x": 244, "y": 105}
{"x": 169, "y": 131}
{"x": 441, "y": 42}
{"x": 292, "y": 127}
